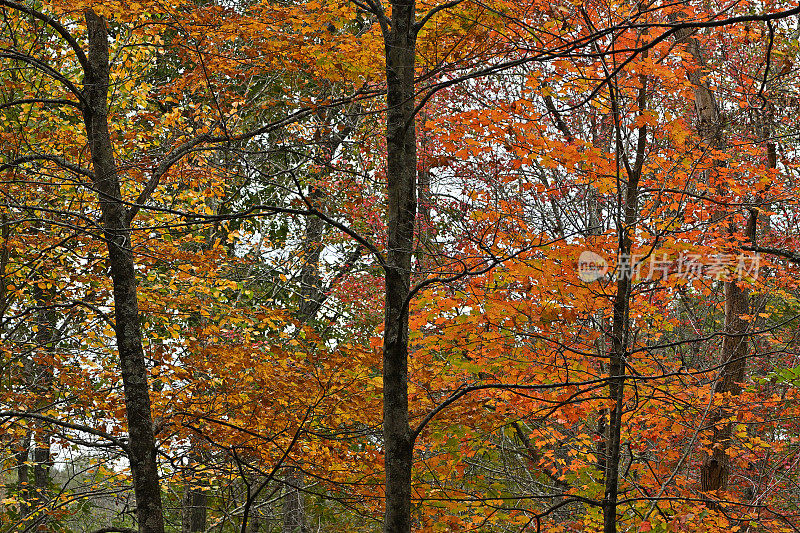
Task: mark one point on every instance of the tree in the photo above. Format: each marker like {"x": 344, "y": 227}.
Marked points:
{"x": 135, "y": 109}
{"x": 92, "y": 103}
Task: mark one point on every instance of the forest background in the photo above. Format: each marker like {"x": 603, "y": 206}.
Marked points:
{"x": 435, "y": 266}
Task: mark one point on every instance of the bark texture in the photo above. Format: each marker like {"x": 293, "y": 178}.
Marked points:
{"x": 311, "y": 299}
{"x": 195, "y": 499}
{"x": 116, "y": 228}
{"x": 194, "y": 510}
{"x": 294, "y": 516}
{"x": 40, "y": 381}
{"x": 23, "y": 473}
{"x": 400, "y": 43}
{"x": 313, "y": 295}
{"x": 715, "y": 469}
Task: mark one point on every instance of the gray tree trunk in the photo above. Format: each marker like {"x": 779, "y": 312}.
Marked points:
{"x": 116, "y": 228}
{"x": 715, "y": 469}
{"x": 312, "y": 297}
{"x": 195, "y": 503}
{"x": 195, "y": 499}
{"x": 23, "y": 473}
{"x": 400, "y": 43}
{"x": 294, "y": 516}
{"x": 40, "y": 382}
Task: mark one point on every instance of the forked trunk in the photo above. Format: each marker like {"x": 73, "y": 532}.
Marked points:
{"x": 620, "y": 320}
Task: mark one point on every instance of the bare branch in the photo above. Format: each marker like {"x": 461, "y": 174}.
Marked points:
{"x": 46, "y": 157}
{"x": 45, "y": 101}
{"x": 428, "y": 16}
{"x": 68, "y": 425}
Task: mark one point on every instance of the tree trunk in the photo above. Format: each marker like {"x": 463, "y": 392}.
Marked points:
{"x": 616, "y": 371}
{"x": 594, "y": 228}
{"x": 255, "y": 523}
{"x": 620, "y": 326}
{"x": 312, "y": 297}
{"x": 294, "y": 516}
{"x": 40, "y": 383}
{"x": 425, "y": 233}
{"x": 194, "y": 510}
{"x": 116, "y": 228}
{"x": 310, "y": 280}
{"x": 715, "y": 469}
{"x": 23, "y": 474}
{"x": 400, "y": 43}
{"x": 195, "y": 499}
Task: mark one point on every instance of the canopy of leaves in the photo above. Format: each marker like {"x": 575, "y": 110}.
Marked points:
{"x": 250, "y": 140}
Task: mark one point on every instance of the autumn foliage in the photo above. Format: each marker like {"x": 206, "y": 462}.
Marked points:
{"x": 327, "y": 209}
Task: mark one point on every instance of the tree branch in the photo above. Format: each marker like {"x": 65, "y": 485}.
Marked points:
{"x": 794, "y": 257}
{"x": 428, "y": 16}
{"x": 68, "y": 425}
{"x": 46, "y": 157}
{"x": 46, "y": 101}
{"x": 50, "y": 21}
{"x": 162, "y": 169}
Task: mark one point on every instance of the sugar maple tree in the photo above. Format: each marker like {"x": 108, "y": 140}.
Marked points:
{"x": 219, "y": 142}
